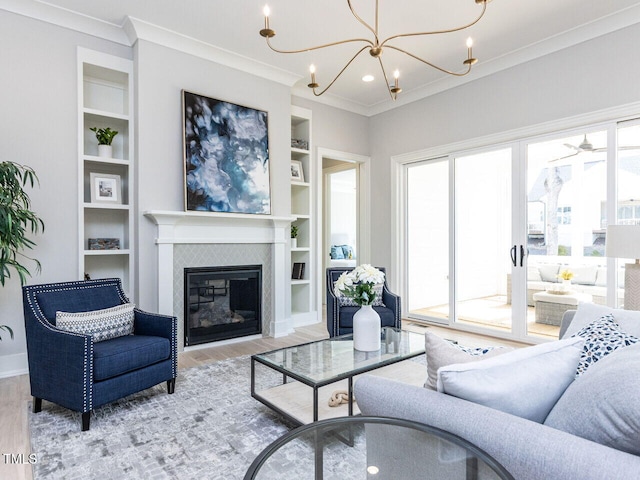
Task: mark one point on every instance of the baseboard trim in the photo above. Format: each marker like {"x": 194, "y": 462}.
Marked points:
{"x": 14, "y": 365}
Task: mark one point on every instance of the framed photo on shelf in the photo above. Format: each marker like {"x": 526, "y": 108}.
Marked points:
{"x": 297, "y": 173}
{"x": 106, "y": 188}
{"x": 298, "y": 271}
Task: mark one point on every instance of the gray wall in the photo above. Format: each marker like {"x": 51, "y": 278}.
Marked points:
{"x": 588, "y": 77}
{"x": 38, "y": 128}
{"x": 161, "y": 75}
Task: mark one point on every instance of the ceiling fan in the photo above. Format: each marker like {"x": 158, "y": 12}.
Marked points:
{"x": 587, "y": 146}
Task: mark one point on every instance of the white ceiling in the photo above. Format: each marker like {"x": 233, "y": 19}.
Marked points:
{"x": 512, "y": 31}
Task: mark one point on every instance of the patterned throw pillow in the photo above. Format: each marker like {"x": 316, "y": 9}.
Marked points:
{"x": 602, "y": 337}
{"x": 100, "y": 324}
{"x": 346, "y": 301}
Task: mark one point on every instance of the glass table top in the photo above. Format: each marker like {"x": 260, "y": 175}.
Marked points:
{"x": 335, "y": 358}
{"x": 382, "y": 449}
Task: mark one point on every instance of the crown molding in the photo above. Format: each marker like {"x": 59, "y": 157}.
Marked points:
{"x": 137, "y": 29}
{"x": 134, "y": 29}
{"x": 66, "y": 19}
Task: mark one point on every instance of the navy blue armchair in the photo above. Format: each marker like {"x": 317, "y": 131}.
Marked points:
{"x": 72, "y": 370}
{"x": 340, "y": 318}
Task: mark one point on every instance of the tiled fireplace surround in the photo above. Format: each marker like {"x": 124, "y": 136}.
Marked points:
{"x": 199, "y": 239}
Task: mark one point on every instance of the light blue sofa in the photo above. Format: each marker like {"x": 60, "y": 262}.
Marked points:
{"x": 528, "y": 450}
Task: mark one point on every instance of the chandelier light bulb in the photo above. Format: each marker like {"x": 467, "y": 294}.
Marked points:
{"x": 312, "y": 69}
{"x": 375, "y": 47}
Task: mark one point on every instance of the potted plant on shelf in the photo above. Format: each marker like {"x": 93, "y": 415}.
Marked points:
{"x": 105, "y": 137}
{"x": 16, "y": 220}
{"x": 294, "y": 236}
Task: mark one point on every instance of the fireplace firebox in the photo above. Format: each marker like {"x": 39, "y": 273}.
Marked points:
{"x": 222, "y": 303}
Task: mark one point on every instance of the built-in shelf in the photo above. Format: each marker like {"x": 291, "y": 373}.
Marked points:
{"x": 105, "y": 100}
{"x": 304, "y": 309}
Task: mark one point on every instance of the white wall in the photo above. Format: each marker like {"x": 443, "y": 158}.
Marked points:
{"x": 592, "y": 76}
{"x": 161, "y": 75}
{"x": 38, "y": 127}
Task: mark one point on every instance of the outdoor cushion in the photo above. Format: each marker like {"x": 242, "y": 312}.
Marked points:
{"x": 601, "y": 405}
{"x": 124, "y": 354}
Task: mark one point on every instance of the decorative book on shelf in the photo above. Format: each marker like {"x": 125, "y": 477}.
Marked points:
{"x": 298, "y": 271}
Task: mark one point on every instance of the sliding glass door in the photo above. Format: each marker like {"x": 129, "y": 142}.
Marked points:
{"x": 481, "y": 228}
{"x": 483, "y": 231}
{"x": 507, "y": 239}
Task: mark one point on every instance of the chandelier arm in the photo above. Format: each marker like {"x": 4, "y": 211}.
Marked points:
{"x": 437, "y": 32}
{"x": 373, "y": 30}
{"x": 444, "y": 70}
{"x": 386, "y": 79}
{"x": 317, "y": 47}
{"x": 340, "y": 73}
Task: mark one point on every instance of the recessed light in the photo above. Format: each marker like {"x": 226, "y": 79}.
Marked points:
{"x": 367, "y": 78}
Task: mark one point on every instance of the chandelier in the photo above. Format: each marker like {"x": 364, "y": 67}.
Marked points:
{"x": 376, "y": 46}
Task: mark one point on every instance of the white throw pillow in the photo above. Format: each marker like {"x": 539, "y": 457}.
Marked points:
{"x": 526, "y": 382}
{"x": 629, "y": 320}
{"x": 441, "y": 352}
{"x": 100, "y": 324}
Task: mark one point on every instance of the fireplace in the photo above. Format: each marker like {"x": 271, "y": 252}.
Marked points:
{"x": 222, "y": 302}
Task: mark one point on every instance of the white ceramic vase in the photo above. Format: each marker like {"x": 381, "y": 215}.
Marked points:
{"x": 566, "y": 285}
{"x": 366, "y": 329}
{"x": 294, "y": 243}
{"x": 105, "y": 151}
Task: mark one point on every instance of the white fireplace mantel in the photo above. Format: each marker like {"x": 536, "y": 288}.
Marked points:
{"x": 212, "y": 227}
{"x": 224, "y": 228}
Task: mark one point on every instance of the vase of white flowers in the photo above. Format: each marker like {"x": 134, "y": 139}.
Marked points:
{"x": 360, "y": 285}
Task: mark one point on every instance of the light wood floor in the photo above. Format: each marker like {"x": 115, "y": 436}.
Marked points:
{"x": 15, "y": 392}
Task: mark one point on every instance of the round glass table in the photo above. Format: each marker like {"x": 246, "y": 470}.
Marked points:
{"x": 373, "y": 448}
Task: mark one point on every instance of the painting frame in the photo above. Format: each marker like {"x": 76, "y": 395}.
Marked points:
{"x": 226, "y": 160}
{"x": 106, "y": 188}
{"x": 297, "y": 172}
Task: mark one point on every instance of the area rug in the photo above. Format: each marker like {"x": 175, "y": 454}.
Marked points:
{"x": 209, "y": 428}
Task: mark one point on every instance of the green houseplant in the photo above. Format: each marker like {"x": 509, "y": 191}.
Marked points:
{"x": 105, "y": 137}
{"x": 294, "y": 236}
{"x": 16, "y": 221}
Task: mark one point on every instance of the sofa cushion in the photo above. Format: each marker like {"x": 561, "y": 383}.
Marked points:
{"x": 100, "y": 324}
{"x": 526, "y": 382}
{"x": 441, "y": 352}
{"x": 533, "y": 274}
{"x": 601, "y": 337}
{"x": 602, "y": 405}
{"x": 584, "y": 275}
{"x": 125, "y": 354}
{"x": 336, "y": 252}
{"x": 629, "y": 320}
{"x": 549, "y": 272}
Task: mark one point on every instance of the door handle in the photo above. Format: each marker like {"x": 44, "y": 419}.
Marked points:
{"x": 521, "y": 255}
{"x": 513, "y": 256}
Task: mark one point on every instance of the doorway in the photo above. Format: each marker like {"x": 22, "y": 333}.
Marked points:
{"x": 344, "y": 211}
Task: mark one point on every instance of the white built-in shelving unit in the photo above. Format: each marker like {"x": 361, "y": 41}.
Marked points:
{"x": 303, "y": 291}
{"x": 105, "y": 99}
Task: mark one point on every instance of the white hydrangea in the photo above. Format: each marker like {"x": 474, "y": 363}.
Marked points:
{"x": 344, "y": 281}
{"x": 365, "y": 273}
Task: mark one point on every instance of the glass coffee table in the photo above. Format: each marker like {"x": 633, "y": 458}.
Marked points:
{"x": 323, "y": 367}
{"x": 384, "y": 449}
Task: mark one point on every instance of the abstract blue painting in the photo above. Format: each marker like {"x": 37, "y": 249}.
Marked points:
{"x": 226, "y": 149}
